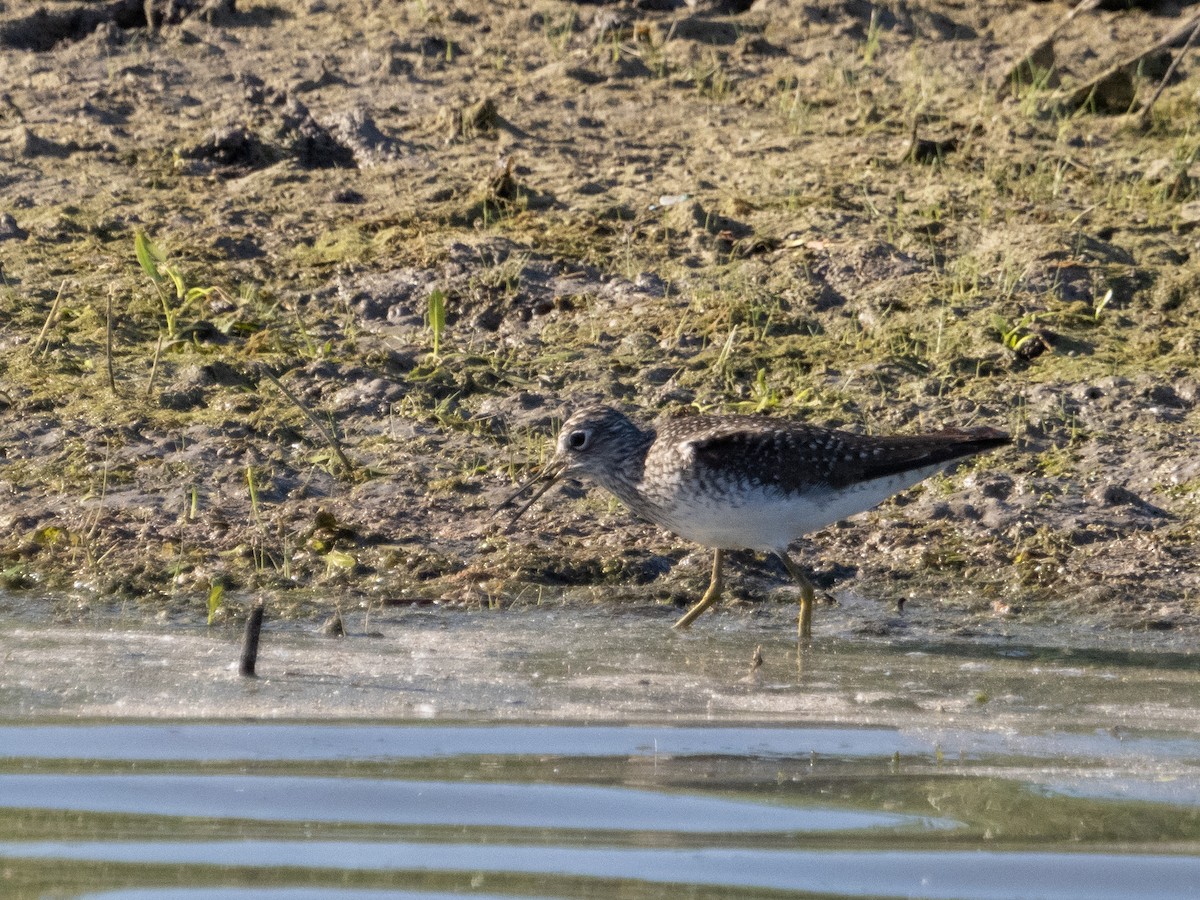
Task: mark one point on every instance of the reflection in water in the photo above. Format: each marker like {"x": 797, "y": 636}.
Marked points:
{"x": 234, "y": 809}
{"x": 586, "y": 755}
{"x": 926, "y": 874}
{"x": 391, "y": 802}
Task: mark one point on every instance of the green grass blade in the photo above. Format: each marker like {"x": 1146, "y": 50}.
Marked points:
{"x": 177, "y": 280}
{"x": 437, "y": 318}
{"x": 148, "y": 255}
{"x": 215, "y": 593}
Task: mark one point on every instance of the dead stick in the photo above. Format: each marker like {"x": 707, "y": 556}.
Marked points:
{"x": 330, "y": 438}
{"x": 154, "y": 365}
{"x": 250, "y": 641}
{"x": 50, "y": 317}
{"x": 1027, "y": 57}
{"x": 1080, "y": 95}
{"x": 112, "y": 381}
{"x": 1162, "y": 85}
{"x": 1081, "y": 6}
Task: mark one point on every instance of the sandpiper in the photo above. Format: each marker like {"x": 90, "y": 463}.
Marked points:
{"x": 746, "y": 482}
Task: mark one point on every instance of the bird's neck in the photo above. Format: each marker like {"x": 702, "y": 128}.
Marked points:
{"x": 624, "y": 481}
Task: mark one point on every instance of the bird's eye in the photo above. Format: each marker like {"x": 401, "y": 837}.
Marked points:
{"x": 577, "y": 440}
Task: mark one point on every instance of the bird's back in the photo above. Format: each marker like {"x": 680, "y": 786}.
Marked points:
{"x": 759, "y": 483}
{"x": 796, "y": 456}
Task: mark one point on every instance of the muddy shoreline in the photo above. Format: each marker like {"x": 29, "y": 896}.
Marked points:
{"x": 675, "y": 208}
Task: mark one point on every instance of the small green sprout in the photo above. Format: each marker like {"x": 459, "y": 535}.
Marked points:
{"x": 154, "y": 263}
{"x": 437, "y": 319}
{"x": 215, "y": 593}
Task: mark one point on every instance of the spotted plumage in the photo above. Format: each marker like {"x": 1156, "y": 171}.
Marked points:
{"x": 748, "y": 482}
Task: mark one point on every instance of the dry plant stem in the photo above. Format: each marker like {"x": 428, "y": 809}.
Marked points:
{"x": 1182, "y": 33}
{"x": 91, "y": 532}
{"x": 1027, "y": 57}
{"x": 1081, "y": 6}
{"x": 912, "y": 141}
{"x": 1162, "y": 85}
{"x": 51, "y": 318}
{"x": 154, "y": 365}
{"x": 329, "y": 437}
{"x": 108, "y": 347}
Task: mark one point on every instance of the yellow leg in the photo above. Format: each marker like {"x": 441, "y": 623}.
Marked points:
{"x": 807, "y": 594}
{"x": 710, "y": 596}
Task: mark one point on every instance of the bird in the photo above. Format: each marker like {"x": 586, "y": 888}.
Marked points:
{"x": 745, "y": 482}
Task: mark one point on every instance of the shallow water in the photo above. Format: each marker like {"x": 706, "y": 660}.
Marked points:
{"x": 581, "y": 753}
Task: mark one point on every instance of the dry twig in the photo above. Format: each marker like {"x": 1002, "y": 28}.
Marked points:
{"x": 108, "y": 343}
{"x": 330, "y": 438}
{"x": 1145, "y": 117}
{"x": 51, "y": 318}
{"x": 1080, "y": 96}
{"x": 1034, "y": 58}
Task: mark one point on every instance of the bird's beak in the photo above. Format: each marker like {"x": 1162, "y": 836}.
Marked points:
{"x": 550, "y": 474}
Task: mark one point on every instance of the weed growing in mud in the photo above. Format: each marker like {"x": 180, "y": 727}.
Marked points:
{"x": 558, "y": 29}
{"x": 42, "y": 343}
{"x": 1016, "y": 336}
{"x": 526, "y": 450}
{"x": 721, "y": 363}
{"x": 871, "y": 44}
{"x": 252, "y": 487}
{"x": 215, "y": 593}
{"x": 794, "y": 106}
{"x": 258, "y": 548}
{"x": 435, "y": 318}
{"x": 154, "y": 365}
{"x": 154, "y": 263}
{"x": 327, "y": 432}
{"x": 1033, "y": 90}
{"x": 712, "y": 79}
{"x": 444, "y": 410}
{"x": 763, "y": 397}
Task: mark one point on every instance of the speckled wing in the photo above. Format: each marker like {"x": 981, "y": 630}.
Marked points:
{"x": 797, "y": 457}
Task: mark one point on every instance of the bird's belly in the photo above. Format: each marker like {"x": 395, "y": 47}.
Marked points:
{"x": 769, "y": 519}
{"x": 757, "y": 523}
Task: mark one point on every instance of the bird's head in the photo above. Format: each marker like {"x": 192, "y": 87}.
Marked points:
{"x": 593, "y": 443}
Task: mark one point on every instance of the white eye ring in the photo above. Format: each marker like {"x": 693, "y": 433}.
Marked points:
{"x": 578, "y": 440}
